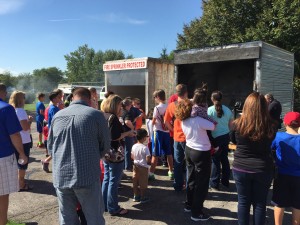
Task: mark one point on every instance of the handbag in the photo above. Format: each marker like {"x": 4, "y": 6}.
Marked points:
{"x": 114, "y": 155}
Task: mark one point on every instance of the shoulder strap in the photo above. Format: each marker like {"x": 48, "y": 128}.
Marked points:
{"x": 109, "y": 120}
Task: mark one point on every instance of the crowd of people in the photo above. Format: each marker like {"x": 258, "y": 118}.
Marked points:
{"x": 188, "y": 136}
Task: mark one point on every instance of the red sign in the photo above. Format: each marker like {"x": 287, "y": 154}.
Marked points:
{"x": 126, "y": 65}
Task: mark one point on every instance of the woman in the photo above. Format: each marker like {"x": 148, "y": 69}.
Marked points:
{"x": 253, "y": 164}
{"x": 17, "y": 100}
{"x": 287, "y": 182}
{"x": 223, "y": 116}
{"x": 127, "y": 126}
{"x": 198, "y": 158}
{"x": 114, "y": 169}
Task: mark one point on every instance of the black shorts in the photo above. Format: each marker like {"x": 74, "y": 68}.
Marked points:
{"x": 286, "y": 191}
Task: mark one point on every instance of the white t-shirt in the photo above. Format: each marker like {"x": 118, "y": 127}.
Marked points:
{"x": 159, "y": 111}
{"x": 139, "y": 153}
{"x": 22, "y": 115}
{"x": 194, "y": 130}
{"x": 149, "y": 128}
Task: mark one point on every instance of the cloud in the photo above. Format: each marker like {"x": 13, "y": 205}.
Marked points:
{"x": 5, "y": 70}
{"x": 9, "y": 6}
{"x": 62, "y": 20}
{"x": 114, "y": 18}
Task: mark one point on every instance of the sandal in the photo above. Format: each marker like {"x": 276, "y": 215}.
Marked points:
{"x": 25, "y": 188}
{"x": 121, "y": 212}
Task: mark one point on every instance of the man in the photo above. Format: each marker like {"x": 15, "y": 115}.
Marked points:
{"x": 274, "y": 108}
{"x": 78, "y": 138}
{"x": 10, "y": 140}
{"x": 179, "y": 138}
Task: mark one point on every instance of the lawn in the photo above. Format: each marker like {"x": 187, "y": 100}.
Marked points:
{"x": 30, "y": 107}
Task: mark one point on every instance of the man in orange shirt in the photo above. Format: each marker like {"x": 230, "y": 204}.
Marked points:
{"x": 179, "y": 138}
{"x": 136, "y": 103}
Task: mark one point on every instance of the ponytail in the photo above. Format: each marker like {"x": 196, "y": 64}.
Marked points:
{"x": 216, "y": 97}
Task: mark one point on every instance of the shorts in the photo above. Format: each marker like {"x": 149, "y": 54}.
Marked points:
{"x": 286, "y": 191}
{"x": 140, "y": 176}
{"x": 161, "y": 143}
{"x": 26, "y": 148}
{"x": 9, "y": 182}
{"x": 39, "y": 126}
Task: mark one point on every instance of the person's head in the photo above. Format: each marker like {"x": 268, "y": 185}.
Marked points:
{"x": 159, "y": 95}
{"x": 54, "y": 97}
{"x": 141, "y": 135}
{"x": 269, "y": 97}
{"x": 82, "y": 94}
{"x": 183, "y": 109}
{"x": 60, "y": 93}
{"x": 255, "y": 121}
{"x": 216, "y": 98}
{"x": 150, "y": 114}
{"x": 94, "y": 94}
{"x": 136, "y": 102}
{"x": 108, "y": 93}
{"x": 3, "y": 91}
{"x": 113, "y": 104}
{"x": 127, "y": 104}
{"x": 40, "y": 96}
{"x": 17, "y": 99}
{"x": 200, "y": 96}
{"x": 292, "y": 120}
{"x": 181, "y": 91}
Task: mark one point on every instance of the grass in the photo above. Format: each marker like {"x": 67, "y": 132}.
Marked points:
{"x": 30, "y": 107}
{"x": 14, "y": 223}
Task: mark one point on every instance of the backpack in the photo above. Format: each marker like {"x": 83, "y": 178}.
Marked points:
{"x": 114, "y": 155}
{"x": 161, "y": 119}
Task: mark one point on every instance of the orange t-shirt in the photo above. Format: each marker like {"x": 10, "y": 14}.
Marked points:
{"x": 139, "y": 121}
{"x": 169, "y": 115}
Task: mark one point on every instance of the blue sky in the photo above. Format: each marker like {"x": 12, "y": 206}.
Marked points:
{"x": 37, "y": 34}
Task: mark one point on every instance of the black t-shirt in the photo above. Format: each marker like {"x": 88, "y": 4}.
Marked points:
{"x": 253, "y": 156}
{"x": 115, "y": 128}
{"x": 275, "y": 111}
{"x": 126, "y": 115}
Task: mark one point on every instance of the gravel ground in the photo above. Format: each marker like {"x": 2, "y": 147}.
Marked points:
{"x": 39, "y": 206}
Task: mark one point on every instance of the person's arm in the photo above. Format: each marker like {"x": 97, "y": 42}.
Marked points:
{"x": 169, "y": 117}
{"x": 148, "y": 159}
{"x": 17, "y": 143}
{"x": 26, "y": 124}
{"x": 230, "y": 124}
{"x": 42, "y": 111}
{"x": 129, "y": 124}
{"x": 132, "y": 157}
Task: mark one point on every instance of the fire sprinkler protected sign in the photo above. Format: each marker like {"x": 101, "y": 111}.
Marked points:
{"x": 125, "y": 65}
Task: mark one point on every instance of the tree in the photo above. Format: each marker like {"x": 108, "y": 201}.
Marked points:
{"x": 7, "y": 79}
{"x": 232, "y": 21}
{"x": 86, "y": 65}
{"x": 165, "y": 56}
{"x": 46, "y": 79}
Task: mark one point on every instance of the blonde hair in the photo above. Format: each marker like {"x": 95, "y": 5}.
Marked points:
{"x": 17, "y": 99}
{"x": 111, "y": 104}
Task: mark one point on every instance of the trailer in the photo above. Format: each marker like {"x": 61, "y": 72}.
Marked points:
{"x": 237, "y": 70}
{"x": 139, "y": 78}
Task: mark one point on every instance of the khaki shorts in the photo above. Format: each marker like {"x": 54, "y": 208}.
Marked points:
{"x": 9, "y": 182}
{"x": 140, "y": 176}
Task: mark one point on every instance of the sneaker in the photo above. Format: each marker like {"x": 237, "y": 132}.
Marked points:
{"x": 136, "y": 198}
{"x": 171, "y": 175}
{"x": 151, "y": 177}
{"x": 201, "y": 217}
{"x": 187, "y": 208}
{"x": 45, "y": 166}
{"x": 145, "y": 199}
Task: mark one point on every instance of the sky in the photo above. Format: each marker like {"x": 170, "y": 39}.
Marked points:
{"x": 37, "y": 34}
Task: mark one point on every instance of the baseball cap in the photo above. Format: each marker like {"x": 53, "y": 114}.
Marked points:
{"x": 290, "y": 117}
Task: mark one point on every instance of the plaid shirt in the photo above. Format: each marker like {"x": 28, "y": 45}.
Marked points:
{"x": 78, "y": 138}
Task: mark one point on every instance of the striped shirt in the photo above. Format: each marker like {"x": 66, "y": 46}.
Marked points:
{"x": 78, "y": 138}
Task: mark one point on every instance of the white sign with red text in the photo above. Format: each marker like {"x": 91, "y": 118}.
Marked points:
{"x": 125, "y": 65}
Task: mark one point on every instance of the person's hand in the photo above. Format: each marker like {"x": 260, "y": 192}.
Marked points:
{"x": 132, "y": 133}
{"x": 23, "y": 158}
{"x": 30, "y": 119}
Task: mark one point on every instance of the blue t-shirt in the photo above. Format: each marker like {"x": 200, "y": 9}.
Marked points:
{"x": 9, "y": 124}
{"x": 40, "y": 106}
{"x": 52, "y": 110}
{"x": 222, "y": 127}
{"x": 287, "y": 148}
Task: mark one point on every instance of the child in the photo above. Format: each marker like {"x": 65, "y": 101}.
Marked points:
{"x": 287, "y": 182}
{"x": 139, "y": 120}
{"x": 161, "y": 138}
{"x": 141, "y": 157}
{"x": 40, "y": 110}
{"x": 149, "y": 126}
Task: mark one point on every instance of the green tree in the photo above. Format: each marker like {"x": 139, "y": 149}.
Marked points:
{"x": 165, "y": 56}
{"x": 46, "y": 79}
{"x": 7, "y": 79}
{"x": 86, "y": 65}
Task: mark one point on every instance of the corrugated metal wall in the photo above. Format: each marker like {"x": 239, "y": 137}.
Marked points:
{"x": 277, "y": 72}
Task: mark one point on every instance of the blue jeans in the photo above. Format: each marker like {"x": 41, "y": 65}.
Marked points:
{"x": 218, "y": 160}
{"x": 128, "y": 145}
{"x": 252, "y": 189}
{"x": 179, "y": 148}
{"x": 91, "y": 202}
{"x": 112, "y": 177}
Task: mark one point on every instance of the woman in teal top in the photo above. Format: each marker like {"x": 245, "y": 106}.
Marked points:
{"x": 224, "y": 117}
